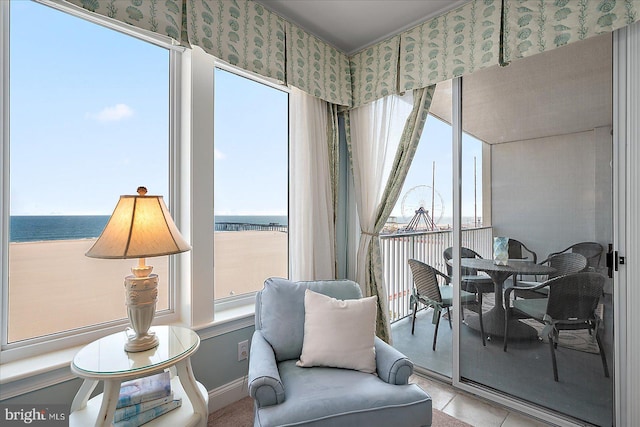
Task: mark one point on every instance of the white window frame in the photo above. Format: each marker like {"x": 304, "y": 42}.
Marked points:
{"x": 42, "y": 362}
{"x": 66, "y": 339}
{"x": 232, "y": 306}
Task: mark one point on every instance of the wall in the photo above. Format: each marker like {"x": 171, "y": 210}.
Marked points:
{"x": 214, "y": 365}
{"x": 552, "y": 192}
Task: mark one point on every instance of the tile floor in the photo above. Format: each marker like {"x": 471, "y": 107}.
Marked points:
{"x": 470, "y": 409}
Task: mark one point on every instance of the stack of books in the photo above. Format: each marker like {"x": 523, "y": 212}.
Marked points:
{"x": 144, "y": 399}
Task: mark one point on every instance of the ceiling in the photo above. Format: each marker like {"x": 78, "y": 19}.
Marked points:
{"x": 562, "y": 91}
{"x": 352, "y": 25}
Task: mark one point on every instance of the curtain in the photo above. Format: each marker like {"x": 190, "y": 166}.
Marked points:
{"x": 317, "y": 67}
{"x": 532, "y": 27}
{"x": 241, "y": 32}
{"x": 457, "y": 43}
{"x": 313, "y": 166}
{"x": 382, "y": 137}
{"x": 374, "y": 71}
{"x": 159, "y": 16}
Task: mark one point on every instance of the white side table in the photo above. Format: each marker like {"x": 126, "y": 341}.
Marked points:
{"x": 105, "y": 360}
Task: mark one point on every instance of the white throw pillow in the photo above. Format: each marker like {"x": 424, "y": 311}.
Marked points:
{"x": 339, "y": 333}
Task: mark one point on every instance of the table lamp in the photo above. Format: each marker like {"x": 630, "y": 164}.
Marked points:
{"x": 139, "y": 227}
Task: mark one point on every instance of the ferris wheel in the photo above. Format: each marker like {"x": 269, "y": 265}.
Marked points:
{"x": 425, "y": 197}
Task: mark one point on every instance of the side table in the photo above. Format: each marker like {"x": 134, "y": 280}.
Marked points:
{"x": 106, "y": 360}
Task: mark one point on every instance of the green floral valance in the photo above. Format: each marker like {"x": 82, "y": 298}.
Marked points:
{"x": 317, "y": 68}
{"x": 374, "y": 72}
{"x": 535, "y": 26}
{"x": 240, "y": 32}
{"x": 457, "y": 43}
{"x": 159, "y": 16}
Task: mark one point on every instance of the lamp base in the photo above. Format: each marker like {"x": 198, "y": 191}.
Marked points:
{"x": 142, "y": 294}
{"x": 141, "y": 343}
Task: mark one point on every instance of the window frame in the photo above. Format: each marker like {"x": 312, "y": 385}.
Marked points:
{"x": 33, "y": 364}
{"x": 229, "y": 305}
{"x": 66, "y": 339}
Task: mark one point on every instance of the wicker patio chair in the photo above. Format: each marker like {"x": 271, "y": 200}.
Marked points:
{"x": 592, "y": 251}
{"x": 429, "y": 292}
{"x": 564, "y": 263}
{"x": 571, "y": 305}
{"x": 471, "y": 281}
{"x": 518, "y": 250}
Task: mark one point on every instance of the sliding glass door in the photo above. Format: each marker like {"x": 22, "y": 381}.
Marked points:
{"x": 543, "y": 126}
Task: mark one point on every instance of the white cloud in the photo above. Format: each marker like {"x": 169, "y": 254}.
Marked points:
{"x": 217, "y": 154}
{"x": 112, "y": 114}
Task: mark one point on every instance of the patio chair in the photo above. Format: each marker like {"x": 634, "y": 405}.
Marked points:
{"x": 592, "y": 251}
{"x": 471, "y": 281}
{"x": 571, "y": 305}
{"x": 564, "y": 263}
{"x": 518, "y": 250}
{"x": 429, "y": 292}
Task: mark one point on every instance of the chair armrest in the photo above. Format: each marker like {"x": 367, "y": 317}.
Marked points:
{"x": 265, "y": 385}
{"x": 507, "y": 291}
{"x": 393, "y": 367}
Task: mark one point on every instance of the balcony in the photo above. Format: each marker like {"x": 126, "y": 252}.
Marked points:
{"x": 427, "y": 246}
{"x": 525, "y": 370}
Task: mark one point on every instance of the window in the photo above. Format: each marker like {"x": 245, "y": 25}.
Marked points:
{"x": 250, "y": 184}
{"x": 90, "y": 120}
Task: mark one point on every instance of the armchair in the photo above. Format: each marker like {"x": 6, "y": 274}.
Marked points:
{"x": 286, "y": 394}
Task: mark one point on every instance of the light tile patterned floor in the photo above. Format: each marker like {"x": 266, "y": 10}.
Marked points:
{"x": 471, "y": 410}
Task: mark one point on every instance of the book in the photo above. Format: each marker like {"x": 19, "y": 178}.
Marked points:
{"x": 136, "y": 408}
{"x": 148, "y": 415}
{"x": 144, "y": 389}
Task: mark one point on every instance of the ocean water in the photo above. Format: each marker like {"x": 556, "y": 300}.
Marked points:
{"x": 58, "y": 227}
{"x": 34, "y": 228}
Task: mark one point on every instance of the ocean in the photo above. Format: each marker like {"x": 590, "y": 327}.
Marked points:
{"x": 28, "y": 228}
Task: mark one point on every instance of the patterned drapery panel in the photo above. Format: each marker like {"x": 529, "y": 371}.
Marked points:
{"x": 240, "y": 32}
{"x": 459, "y": 42}
{"x": 317, "y": 68}
{"x": 535, "y": 26}
{"x": 160, "y": 16}
{"x": 374, "y": 71}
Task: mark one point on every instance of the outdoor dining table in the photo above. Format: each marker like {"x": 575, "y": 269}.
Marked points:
{"x": 493, "y": 320}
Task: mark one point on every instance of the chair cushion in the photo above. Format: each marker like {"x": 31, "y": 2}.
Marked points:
{"x": 339, "y": 333}
{"x": 340, "y": 397}
{"x": 534, "y": 307}
{"x": 446, "y": 292}
{"x": 285, "y": 300}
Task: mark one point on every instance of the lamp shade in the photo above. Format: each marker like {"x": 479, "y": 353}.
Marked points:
{"x": 139, "y": 227}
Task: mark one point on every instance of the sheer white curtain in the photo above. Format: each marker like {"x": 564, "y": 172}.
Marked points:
{"x": 311, "y": 205}
{"x": 376, "y": 131}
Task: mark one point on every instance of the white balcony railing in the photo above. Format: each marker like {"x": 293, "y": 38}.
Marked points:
{"x": 426, "y": 246}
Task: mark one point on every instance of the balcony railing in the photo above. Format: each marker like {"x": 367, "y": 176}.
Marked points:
{"x": 426, "y": 246}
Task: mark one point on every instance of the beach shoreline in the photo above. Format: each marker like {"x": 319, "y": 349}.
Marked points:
{"x": 54, "y": 287}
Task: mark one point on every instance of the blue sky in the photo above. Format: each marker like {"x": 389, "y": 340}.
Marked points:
{"x": 86, "y": 125}
{"x": 89, "y": 122}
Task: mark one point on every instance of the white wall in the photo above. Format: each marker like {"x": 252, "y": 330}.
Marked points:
{"x": 552, "y": 192}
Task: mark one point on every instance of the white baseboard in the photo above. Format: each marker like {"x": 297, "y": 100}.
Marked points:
{"x": 228, "y": 394}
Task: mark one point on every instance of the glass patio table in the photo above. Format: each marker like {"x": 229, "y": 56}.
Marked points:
{"x": 493, "y": 320}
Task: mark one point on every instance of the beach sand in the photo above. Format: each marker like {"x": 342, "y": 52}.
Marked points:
{"x": 54, "y": 287}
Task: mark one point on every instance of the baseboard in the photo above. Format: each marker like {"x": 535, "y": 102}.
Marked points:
{"x": 228, "y": 394}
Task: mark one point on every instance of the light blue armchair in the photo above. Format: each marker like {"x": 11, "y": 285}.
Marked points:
{"x": 286, "y": 394}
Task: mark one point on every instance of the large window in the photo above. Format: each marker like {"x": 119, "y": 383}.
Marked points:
{"x": 89, "y": 121}
{"x": 250, "y": 184}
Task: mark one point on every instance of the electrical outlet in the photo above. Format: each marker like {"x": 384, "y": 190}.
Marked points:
{"x": 243, "y": 350}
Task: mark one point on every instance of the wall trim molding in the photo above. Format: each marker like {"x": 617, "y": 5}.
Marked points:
{"x": 227, "y": 394}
